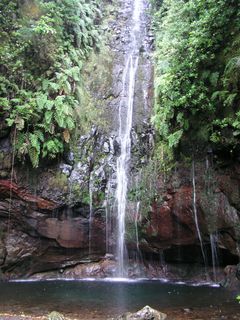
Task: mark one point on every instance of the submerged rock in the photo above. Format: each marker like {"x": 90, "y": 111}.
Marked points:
{"x": 147, "y": 313}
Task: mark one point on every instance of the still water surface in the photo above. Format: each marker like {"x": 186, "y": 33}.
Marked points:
{"x": 108, "y": 298}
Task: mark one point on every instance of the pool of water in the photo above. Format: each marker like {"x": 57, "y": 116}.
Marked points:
{"x": 106, "y": 299}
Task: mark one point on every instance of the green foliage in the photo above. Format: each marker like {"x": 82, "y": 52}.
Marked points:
{"x": 146, "y": 189}
{"x": 238, "y": 298}
{"x": 43, "y": 47}
{"x": 59, "y": 181}
{"x": 197, "y": 71}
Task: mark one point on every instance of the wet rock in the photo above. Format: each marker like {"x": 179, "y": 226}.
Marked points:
{"x": 162, "y": 223}
{"x": 106, "y": 147}
{"x": 69, "y": 158}
{"x": 238, "y": 271}
{"x": 66, "y": 169}
{"x": 147, "y": 313}
{"x": 102, "y": 269}
{"x": 4, "y": 128}
{"x": 109, "y": 256}
{"x": 231, "y": 280}
{"x": 2, "y": 252}
{"x": 229, "y": 183}
{"x": 80, "y": 210}
{"x": 7, "y": 187}
{"x": 19, "y": 246}
{"x": 173, "y": 216}
{"x": 54, "y": 315}
{"x": 72, "y": 233}
{"x": 5, "y": 161}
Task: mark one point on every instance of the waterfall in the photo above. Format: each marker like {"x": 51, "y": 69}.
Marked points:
{"x": 196, "y": 215}
{"x": 90, "y": 212}
{"x": 162, "y": 263}
{"x": 213, "y": 242}
{"x": 123, "y": 160}
{"x": 124, "y": 133}
{"x": 212, "y": 223}
{"x": 136, "y": 226}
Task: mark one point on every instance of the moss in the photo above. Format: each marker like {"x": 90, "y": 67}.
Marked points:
{"x": 98, "y": 197}
{"x": 99, "y": 83}
{"x": 94, "y": 96}
{"x": 79, "y": 193}
{"x": 5, "y": 160}
{"x": 131, "y": 232}
{"x": 59, "y": 181}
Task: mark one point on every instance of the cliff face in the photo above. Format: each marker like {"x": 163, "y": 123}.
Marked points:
{"x": 40, "y": 235}
{"x": 172, "y": 222}
{"x": 58, "y": 209}
{"x": 48, "y": 214}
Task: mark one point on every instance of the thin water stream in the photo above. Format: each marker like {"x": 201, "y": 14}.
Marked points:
{"x": 136, "y": 227}
{"x": 214, "y": 252}
{"x": 196, "y": 214}
{"x": 90, "y": 213}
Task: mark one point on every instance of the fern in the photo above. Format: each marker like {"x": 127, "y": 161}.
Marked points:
{"x": 34, "y": 156}
{"x": 42, "y": 56}
{"x": 52, "y": 147}
{"x": 191, "y": 86}
{"x": 39, "y": 134}
{"x": 41, "y": 101}
{"x": 34, "y": 142}
{"x": 48, "y": 117}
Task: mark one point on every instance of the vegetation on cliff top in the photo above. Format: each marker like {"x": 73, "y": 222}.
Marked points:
{"x": 197, "y": 74}
{"x": 45, "y": 43}
{"x": 43, "y": 47}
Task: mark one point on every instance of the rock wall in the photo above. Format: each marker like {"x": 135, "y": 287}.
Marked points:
{"x": 171, "y": 220}
{"x": 45, "y": 213}
{"x": 40, "y": 235}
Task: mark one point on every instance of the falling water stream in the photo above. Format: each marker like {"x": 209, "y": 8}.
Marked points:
{"x": 90, "y": 212}
{"x": 136, "y": 226}
{"x": 196, "y": 215}
{"x": 215, "y": 260}
{"x": 125, "y": 126}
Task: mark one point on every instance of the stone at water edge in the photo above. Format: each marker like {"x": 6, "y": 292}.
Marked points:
{"x": 54, "y": 315}
{"x": 147, "y": 313}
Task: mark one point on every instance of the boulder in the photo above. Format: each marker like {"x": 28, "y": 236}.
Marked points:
{"x": 54, "y": 315}
{"x": 147, "y": 313}
{"x": 231, "y": 280}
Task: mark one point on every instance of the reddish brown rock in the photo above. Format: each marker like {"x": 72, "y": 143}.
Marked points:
{"x": 182, "y": 206}
{"x": 173, "y": 222}
{"x": 161, "y": 223}
{"x": 10, "y": 189}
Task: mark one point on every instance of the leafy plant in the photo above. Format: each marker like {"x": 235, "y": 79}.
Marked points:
{"x": 197, "y": 71}
{"x": 44, "y": 46}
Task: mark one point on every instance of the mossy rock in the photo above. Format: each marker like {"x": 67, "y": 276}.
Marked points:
{"x": 54, "y": 315}
{"x": 5, "y": 161}
{"x": 59, "y": 181}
